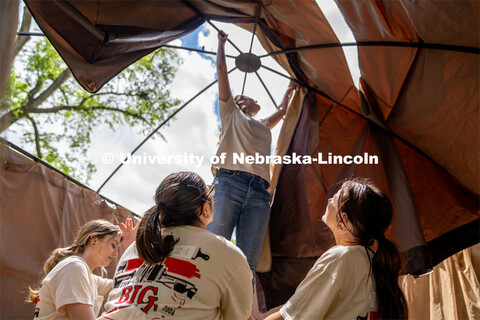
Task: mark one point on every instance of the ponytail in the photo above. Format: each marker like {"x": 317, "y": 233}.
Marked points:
{"x": 386, "y": 268}
{"x": 151, "y": 245}
{"x": 370, "y": 212}
{"x": 179, "y": 200}
{"x": 98, "y": 228}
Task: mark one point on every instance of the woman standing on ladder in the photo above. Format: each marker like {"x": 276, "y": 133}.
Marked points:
{"x": 242, "y": 199}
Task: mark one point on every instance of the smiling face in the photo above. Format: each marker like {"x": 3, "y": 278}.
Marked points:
{"x": 105, "y": 249}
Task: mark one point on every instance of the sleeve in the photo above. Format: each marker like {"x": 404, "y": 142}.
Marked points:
{"x": 104, "y": 285}
{"x": 314, "y": 296}
{"x": 71, "y": 285}
{"x": 237, "y": 299}
{"x": 226, "y": 110}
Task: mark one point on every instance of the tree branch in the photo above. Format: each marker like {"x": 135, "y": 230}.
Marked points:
{"x": 25, "y": 27}
{"x": 33, "y": 103}
{"x": 107, "y": 93}
{"x": 80, "y": 108}
{"x": 35, "y": 89}
{"x": 37, "y": 135}
{"x": 8, "y": 118}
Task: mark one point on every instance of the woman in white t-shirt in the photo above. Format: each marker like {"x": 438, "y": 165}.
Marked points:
{"x": 242, "y": 201}
{"x": 357, "y": 278}
{"x": 177, "y": 269}
{"x": 69, "y": 289}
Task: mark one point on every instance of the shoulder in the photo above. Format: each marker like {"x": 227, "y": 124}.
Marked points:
{"x": 229, "y": 107}
{"x": 349, "y": 253}
{"x": 229, "y": 247}
{"x": 69, "y": 265}
{"x": 229, "y": 103}
{"x": 214, "y": 243}
{"x": 68, "y": 274}
{"x": 339, "y": 254}
{"x": 341, "y": 259}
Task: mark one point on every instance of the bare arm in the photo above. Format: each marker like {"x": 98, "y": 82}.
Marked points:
{"x": 275, "y": 117}
{"x": 129, "y": 232}
{"x": 275, "y": 316}
{"x": 223, "y": 85}
{"x": 80, "y": 311}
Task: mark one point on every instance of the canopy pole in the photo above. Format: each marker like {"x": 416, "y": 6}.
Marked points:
{"x": 349, "y": 44}
{"x": 379, "y": 44}
{"x": 244, "y": 82}
{"x": 196, "y": 50}
{"x": 266, "y": 89}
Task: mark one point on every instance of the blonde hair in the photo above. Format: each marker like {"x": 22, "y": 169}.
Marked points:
{"x": 95, "y": 228}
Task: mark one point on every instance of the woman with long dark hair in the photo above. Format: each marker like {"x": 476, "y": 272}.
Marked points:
{"x": 357, "y": 278}
{"x": 177, "y": 269}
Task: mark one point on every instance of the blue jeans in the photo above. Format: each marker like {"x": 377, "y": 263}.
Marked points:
{"x": 241, "y": 200}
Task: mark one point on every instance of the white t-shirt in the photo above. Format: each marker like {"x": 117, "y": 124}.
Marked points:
{"x": 205, "y": 277}
{"x": 70, "y": 281}
{"x": 243, "y": 134}
{"x": 339, "y": 286}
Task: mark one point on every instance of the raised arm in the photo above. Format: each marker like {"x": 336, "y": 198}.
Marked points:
{"x": 275, "y": 117}
{"x": 223, "y": 85}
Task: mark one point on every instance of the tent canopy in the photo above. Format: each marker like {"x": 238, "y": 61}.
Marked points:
{"x": 417, "y": 107}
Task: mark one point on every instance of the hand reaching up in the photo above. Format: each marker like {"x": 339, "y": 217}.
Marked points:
{"x": 222, "y": 37}
{"x": 129, "y": 232}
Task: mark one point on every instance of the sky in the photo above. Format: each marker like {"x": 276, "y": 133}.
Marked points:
{"x": 194, "y": 131}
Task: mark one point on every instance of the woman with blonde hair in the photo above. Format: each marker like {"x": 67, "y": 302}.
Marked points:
{"x": 69, "y": 290}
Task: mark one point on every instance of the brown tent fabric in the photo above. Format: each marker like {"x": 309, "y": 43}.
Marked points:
{"x": 40, "y": 211}
{"x": 417, "y": 108}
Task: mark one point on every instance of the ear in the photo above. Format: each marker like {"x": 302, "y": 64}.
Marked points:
{"x": 93, "y": 239}
{"x": 204, "y": 211}
{"x": 346, "y": 222}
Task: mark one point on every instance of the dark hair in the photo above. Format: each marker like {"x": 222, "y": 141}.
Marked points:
{"x": 178, "y": 201}
{"x": 370, "y": 212}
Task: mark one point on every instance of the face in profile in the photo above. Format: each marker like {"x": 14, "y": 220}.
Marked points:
{"x": 331, "y": 212}
{"x": 106, "y": 249}
{"x": 247, "y": 105}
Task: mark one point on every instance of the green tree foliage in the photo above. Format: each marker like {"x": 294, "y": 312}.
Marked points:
{"x": 44, "y": 95}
